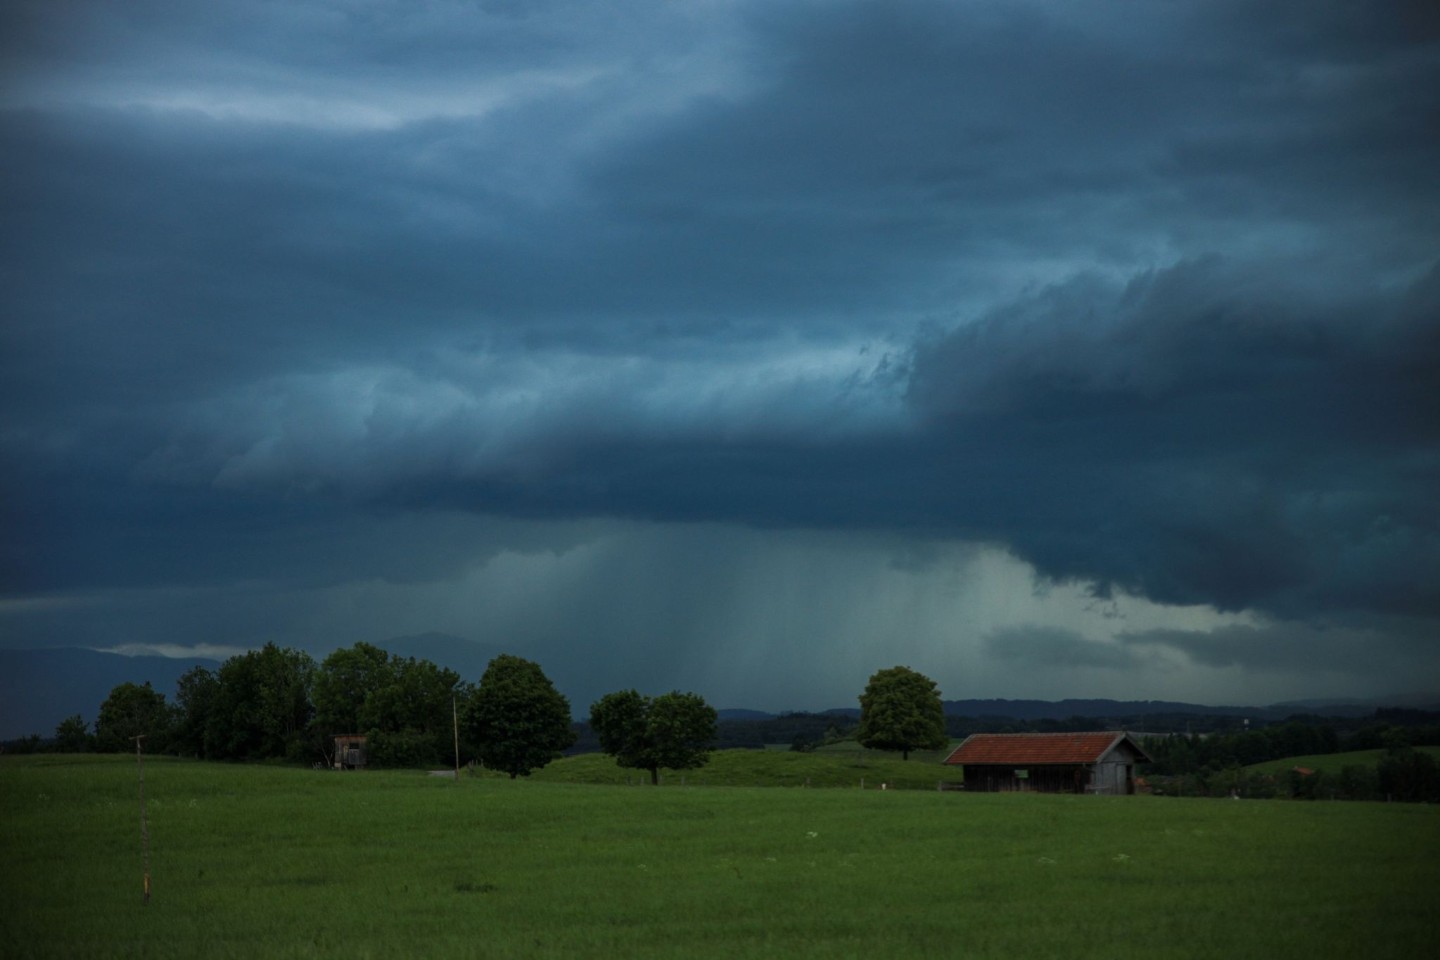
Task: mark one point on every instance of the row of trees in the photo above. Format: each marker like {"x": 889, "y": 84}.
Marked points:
{"x": 1185, "y": 755}
{"x": 1402, "y": 773}
{"x": 1178, "y": 754}
{"x": 279, "y": 703}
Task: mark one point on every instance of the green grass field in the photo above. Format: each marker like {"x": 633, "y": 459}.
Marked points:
{"x": 769, "y": 768}
{"x": 256, "y": 861}
{"x": 1330, "y": 763}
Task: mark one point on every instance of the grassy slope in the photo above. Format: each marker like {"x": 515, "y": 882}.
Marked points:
{"x": 263, "y": 861}
{"x": 767, "y": 768}
{"x": 1331, "y": 762}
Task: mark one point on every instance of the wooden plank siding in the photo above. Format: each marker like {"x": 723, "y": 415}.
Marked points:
{"x": 993, "y": 778}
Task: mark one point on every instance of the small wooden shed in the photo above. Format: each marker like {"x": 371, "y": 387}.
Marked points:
{"x": 1101, "y": 763}
{"x": 349, "y": 751}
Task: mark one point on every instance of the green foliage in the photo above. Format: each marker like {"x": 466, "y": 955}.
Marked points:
{"x": 1190, "y": 754}
{"x": 901, "y": 710}
{"x": 268, "y": 861}
{"x": 1409, "y": 774}
{"x": 275, "y": 703}
{"x": 261, "y": 705}
{"x": 1241, "y": 782}
{"x": 673, "y": 731}
{"x": 345, "y": 684}
{"x": 1330, "y": 762}
{"x": 1306, "y": 784}
{"x": 1353, "y": 775}
{"x": 129, "y": 711}
{"x": 803, "y": 743}
{"x": 72, "y": 735}
{"x": 399, "y": 748}
{"x": 403, "y": 705}
{"x": 195, "y": 695}
{"x": 1357, "y": 782}
{"x": 517, "y": 717}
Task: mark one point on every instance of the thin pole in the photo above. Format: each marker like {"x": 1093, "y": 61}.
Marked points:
{"x": 455, "y": 721}
{"x": 144, "y": 826}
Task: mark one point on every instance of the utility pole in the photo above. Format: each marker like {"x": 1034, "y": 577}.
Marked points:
{"x": 455, "y": 723}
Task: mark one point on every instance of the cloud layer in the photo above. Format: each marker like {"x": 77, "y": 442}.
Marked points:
{"x": 1143, "y": 298}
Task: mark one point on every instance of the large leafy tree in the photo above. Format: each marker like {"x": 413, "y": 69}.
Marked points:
{"x": 674, "y": 731}
{"x": 195, "y": 695}
{"x": 410, "y": 720}
{"x": 517, "y": 718}
{"x": 402, "y": 704}
{"x": 133, "y": 710}
{"x": 901, "y": 710}
{"x": 345, "y": 684}
{"x": 262, "y": 705}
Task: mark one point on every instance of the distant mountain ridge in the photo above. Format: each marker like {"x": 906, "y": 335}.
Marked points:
{"x": 1064, "y": 709}
{"x": 1031, "y": 710}
{"x": 40, "y": 688}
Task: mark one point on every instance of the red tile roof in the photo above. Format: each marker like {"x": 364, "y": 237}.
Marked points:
{"x": 1038, "y": 748}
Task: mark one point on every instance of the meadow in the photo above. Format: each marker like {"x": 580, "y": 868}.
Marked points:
{"x": 841, "y": 766}
{"x": 251, "y": 861}
{"x": 1331, "y": 763}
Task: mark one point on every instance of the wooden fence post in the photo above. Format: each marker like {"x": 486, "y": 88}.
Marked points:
{"x": 144, "y": 826}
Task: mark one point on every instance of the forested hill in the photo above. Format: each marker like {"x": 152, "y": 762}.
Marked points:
{"x": 1132, "y": 709}
{"x": 1033, "y": 710}
{"x": 1063, "y": 709}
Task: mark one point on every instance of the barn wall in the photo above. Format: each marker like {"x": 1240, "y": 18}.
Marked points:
{"x": 1115, "y": 773}
{"x": 1046, "y": 778}
{"x": 1110, "y": 777}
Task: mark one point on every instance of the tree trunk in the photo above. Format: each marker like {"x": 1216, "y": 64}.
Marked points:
{"x": 904, "y": 754}
{"x": 654, "y": 776}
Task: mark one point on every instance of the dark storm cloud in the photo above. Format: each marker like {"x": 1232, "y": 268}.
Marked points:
{"x": 1035, "y": 646}
{"x": 1279, "y": 648}
{"x": 1238, "y": 435}
{"x": 905, "y": 138}
{"x": 1211, "y": 433}
{"x": 1145, "y": 293}
{"x": 873, "y": 161}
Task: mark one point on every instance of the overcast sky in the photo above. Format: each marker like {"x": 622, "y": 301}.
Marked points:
{"x": 1050, "y": 348}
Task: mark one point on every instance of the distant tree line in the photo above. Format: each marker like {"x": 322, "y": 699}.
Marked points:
{"x": 1216, "y": 765}
{"x": 1180, "y": 754}
{"x": 1403, "y": 773}
{"x": 277, "y": 703}
{"x": 1188, "y": 754}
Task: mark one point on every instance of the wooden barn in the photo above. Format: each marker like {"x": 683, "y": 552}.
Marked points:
{"x": 1101, "y": 763}
{"x": 349, "y": 751}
